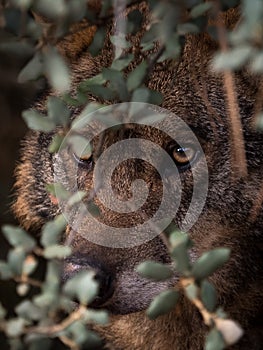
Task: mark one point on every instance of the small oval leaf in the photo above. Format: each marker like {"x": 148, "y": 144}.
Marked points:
{"x": 154, "y": 271}
{"x": 83, "y": 286}
{"x": 162, "y": 304}
{"x": 208, "y": 295}
{"x": 56, "y": 251}
{"x": 209, "y": 262}
{"x": 37, "y": 121}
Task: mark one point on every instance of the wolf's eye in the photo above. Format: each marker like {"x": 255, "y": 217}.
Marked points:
{"x": 184, "y": 156}
{"x": 85, "y": 160}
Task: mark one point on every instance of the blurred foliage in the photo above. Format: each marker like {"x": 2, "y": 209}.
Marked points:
{"x": 48, "y": 309}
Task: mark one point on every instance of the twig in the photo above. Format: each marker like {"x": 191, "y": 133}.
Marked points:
{"x": 237, "y": 139}
{"x": 52, "y": 330}
{"x": 69, "y": 342}
{"x": 208, "y": 317}
{"x": 28, "y": 280}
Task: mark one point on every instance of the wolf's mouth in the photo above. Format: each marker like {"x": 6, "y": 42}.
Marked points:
{"x": 77, "y": 263}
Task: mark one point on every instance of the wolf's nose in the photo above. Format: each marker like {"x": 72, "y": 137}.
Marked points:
{"x": 105, "y": 288}
{"x": 73, "y": 265}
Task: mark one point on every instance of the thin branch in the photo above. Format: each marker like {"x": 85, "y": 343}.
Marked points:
{"x": 234, "y": 120}
{"x": 208, "y": 317}
{"x": 57, "y": 328}
{"x": 28, "y": 280}
{"x": 69, "y": 342}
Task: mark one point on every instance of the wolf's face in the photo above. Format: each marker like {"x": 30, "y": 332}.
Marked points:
{"x": 229, "y": 217}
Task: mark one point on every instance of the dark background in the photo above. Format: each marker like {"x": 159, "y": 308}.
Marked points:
{"x": 14, "y": 97}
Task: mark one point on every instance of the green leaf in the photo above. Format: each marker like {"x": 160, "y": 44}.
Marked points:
{"x": 76, "y": 198}
{"x": 221, "y": 313}
{"x": 191, "y": 291}
{"x": 50, "y": 287}
{"x": 53, "y": 276}
{"x": 120, "y": 41}
{"x": 58, "y": 111}
{"x": 5, "y": 271}
{"x": 51, "y": 9}
{"x": 200, "y": 9}
{"x": 16, "y": 236}
{"x": 151, "y": 35}
{"x": 80, "y": 145}
{"x": 155, "y": 98}
{"x": 187, "y": 28}
{"x": 162, "y": 304}
{"x": 76, "y": 331}
{"x": 82, "y": 120}
{"x": 56, "y": 70}
{"x": 72, "y": 101}
{"x": 96, "y": 316}
{"x": 117, "y": 82}
{"x": 136, "y": 77}
{"x": 58, "y": 191}
{"x": 143, "y": 94}
{"x": 97, "y": 42}
{"x": 122, "y": 63}
{"x": 257, "y": 63}
{"x": 96, "y": 80}
{"x": 154, "y": 271}
{"x": 52, "y": 230}
{"x": 15, "y": 327}
{"x": 16, "y": 258}
{"x": 147, "y": 46}
{"x": 38, "y": 121}
{"x": 83, "y": 286}
{"x": 209, "y": 262}
{"x": 56, "y": 143}
{"x": 33, "y": 70}
{"x": 172, "y": 48}
{"x": 45, "y": 300}
{"x": 56, "y": 251}
{"x": 208, "y": 295}
{"x": 77, "y": 9}
{"x": 180, "y": 244}
{"x": 214, "y": 340}
{"x": 232, "y": 59}
{"x": 93, "y": 209}
{"x": 27, "y": 310}
{"x": 79, "y": 333}
{"x": 102, "y": 92}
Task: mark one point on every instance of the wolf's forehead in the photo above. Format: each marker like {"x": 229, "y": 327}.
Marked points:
{"x": 164, "y": 132}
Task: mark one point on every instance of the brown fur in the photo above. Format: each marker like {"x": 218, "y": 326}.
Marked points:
{"x": 196, "y": 94}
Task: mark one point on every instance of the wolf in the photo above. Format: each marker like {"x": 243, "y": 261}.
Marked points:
{"x": 232, "y": 215}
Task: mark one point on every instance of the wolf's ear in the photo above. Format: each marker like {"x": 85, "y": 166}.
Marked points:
{"x": 229, "y": 19}
{"x": 80, "y": 34}
{"x": 78, "y": 40}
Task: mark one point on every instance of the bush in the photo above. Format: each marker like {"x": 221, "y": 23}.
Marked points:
{"x": 47, "y": 309}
